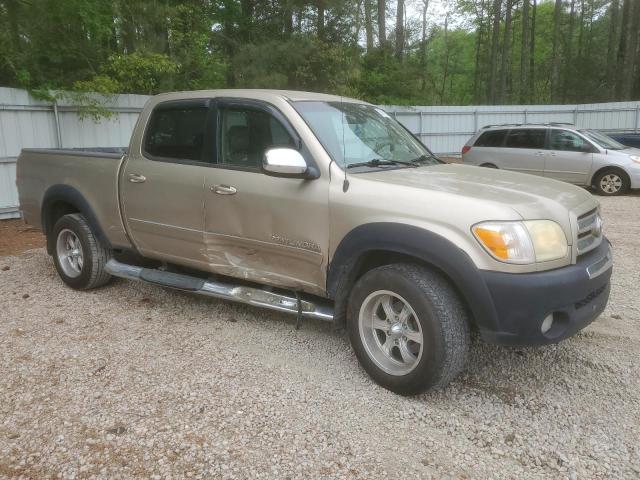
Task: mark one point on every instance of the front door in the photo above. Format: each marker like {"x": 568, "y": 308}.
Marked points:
{"x": 570, "y": 157}
{"x": 262, "y": 228}
{"x": 162, "y": 186}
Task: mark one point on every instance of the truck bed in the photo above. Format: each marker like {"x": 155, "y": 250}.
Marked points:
{"x": 91, "y": 173}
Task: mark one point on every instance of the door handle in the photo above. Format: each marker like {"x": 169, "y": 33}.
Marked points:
{"x": 136, "y": 178}
{"x": 539, "y": 154}
{"x": 553, "y": 154}
{"x": 224, "y": 189}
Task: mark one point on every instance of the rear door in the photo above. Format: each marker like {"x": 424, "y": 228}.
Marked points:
{"x": 570, "y": 157}
{"x": 162, "y": 185}
{"x": 524, "y": 150}
{"x": 266, "y": 229}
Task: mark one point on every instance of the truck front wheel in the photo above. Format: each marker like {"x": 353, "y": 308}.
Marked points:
{"x": 408, "y": 328}
{"x": 79, "y": 256}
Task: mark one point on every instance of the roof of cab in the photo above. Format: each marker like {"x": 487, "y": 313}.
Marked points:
{"x": 258, "y": 94}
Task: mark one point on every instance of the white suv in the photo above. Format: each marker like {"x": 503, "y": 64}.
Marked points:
{"x": 560, "y": 151}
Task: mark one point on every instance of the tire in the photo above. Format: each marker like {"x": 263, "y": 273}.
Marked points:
{"x": 435, "y": 315}
{"x": 489, "y": 165}
{"x": 78, "y": 255}
{"x": 611, "y": 182}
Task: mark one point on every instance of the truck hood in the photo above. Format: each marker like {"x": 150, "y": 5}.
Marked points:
{"x": 531, "y": 196}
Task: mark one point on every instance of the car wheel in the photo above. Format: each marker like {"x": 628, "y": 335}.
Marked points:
{"x": 408, "y": 328}
{"x": 611, "y": 183}
{"x": 78, "y": 255}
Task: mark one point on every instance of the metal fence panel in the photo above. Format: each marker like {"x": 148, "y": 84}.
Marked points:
{"x": 28, "y": 122}
{"x": 446, "y": 129}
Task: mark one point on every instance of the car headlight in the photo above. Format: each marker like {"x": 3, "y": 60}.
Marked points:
{"x": 635, "y": 158}
{"x": 522, "y": 242}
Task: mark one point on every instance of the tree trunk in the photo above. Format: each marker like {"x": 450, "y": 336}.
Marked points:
{"x": 555, "y": 58}
{"x": 400, "y": 29}
{"x": 445, "y": 73}
{"x": 524, "y": 53}
{"x": 368, "y": 24}
{"x": 627, "y": 73}
{"x": 612, "y": 48}
{"x": 532, "y": 55}
{"x": 423, "y": 48}
{"x": 581, "y": 31}
{"x": 493, "y": 63}
{"x": 477, "y": 67}
{"x": 622, "y": 48}
{"x": 382, "y": 31}
{"x": 568, "y": 61}
{"x": 287, "y": 13}
{"x": 320, "y": 20}
{"x": 505, "y": 64}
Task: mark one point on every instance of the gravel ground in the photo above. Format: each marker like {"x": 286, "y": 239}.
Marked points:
{"x": 134, "y": 380}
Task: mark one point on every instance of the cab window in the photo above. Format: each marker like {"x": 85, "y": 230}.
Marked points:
{"x": 246, "y": 134}
{"x": 532, "y": 138}
{"x": 567, "y": 141}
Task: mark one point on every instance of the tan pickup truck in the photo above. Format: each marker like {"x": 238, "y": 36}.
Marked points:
{"x": 327, "y": 208}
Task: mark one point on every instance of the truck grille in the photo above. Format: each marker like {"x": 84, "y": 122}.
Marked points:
{"x": 589, "y": 231}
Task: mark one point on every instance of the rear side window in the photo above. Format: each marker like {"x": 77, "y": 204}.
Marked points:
{"x": 492, "y": 138}
{"x": 176, "y": 132}
{"x": 526, "y": 138}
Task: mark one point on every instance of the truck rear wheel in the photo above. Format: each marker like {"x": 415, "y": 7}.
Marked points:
{"x": 79, "y": 256}
{"x": 408, "y": 328}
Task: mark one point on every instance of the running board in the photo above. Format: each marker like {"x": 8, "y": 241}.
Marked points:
{"x": 235, "y": 293}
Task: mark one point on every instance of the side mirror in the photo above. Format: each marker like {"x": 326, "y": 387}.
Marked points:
{"x": 285, "y": 162}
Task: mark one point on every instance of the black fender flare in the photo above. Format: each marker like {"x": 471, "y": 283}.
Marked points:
{"x": 424, "y": 245}
{"x": 70, "y": 195}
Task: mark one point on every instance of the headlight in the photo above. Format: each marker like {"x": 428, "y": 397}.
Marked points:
{"x": 522, "y": 242}
{"x": 635, "y": 158}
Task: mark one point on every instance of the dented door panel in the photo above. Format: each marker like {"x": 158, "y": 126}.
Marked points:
{"x": 272, "y": 230}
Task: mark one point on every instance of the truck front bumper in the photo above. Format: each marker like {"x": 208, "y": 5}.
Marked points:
{"x": 569, "y": 298}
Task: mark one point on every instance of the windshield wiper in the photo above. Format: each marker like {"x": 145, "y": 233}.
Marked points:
{"x": 425, "y": 158}
{"x": 378, "y": 162}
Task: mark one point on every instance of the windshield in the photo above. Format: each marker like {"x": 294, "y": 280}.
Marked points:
{"x": 355, "y": 134}
{"x": 605, "y": 141}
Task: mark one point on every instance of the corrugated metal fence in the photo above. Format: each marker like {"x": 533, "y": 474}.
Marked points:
{"x": 27, "y": 122}
{"x": 446, "y": 129}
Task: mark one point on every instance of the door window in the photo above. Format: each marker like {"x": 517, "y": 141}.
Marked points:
{"x": 532, "y": 138}
{"x": 492, "y": 138}
{"x": 567, "y": 141}
{"x": 246, "y": 134}
{"x": 176, "y": 132}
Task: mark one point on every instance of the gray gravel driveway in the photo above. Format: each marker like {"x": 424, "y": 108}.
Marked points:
{"x": 133, "y": 380}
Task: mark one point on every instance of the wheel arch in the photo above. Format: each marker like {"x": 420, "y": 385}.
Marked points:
{"x": 376, "y": 244}
{"x": 607, "y": 168}
{"x": 61, "y": 200}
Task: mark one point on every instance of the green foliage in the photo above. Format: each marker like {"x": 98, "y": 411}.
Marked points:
{"x": 150, "y": 46}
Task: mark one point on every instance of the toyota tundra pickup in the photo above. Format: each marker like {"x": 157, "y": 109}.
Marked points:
{"x": 326, "y": 207}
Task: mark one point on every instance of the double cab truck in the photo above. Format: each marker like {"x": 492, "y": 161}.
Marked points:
{"x": 327, "y": 208}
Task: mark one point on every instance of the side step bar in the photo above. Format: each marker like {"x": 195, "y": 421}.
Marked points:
{"x": 236, "y": 293}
